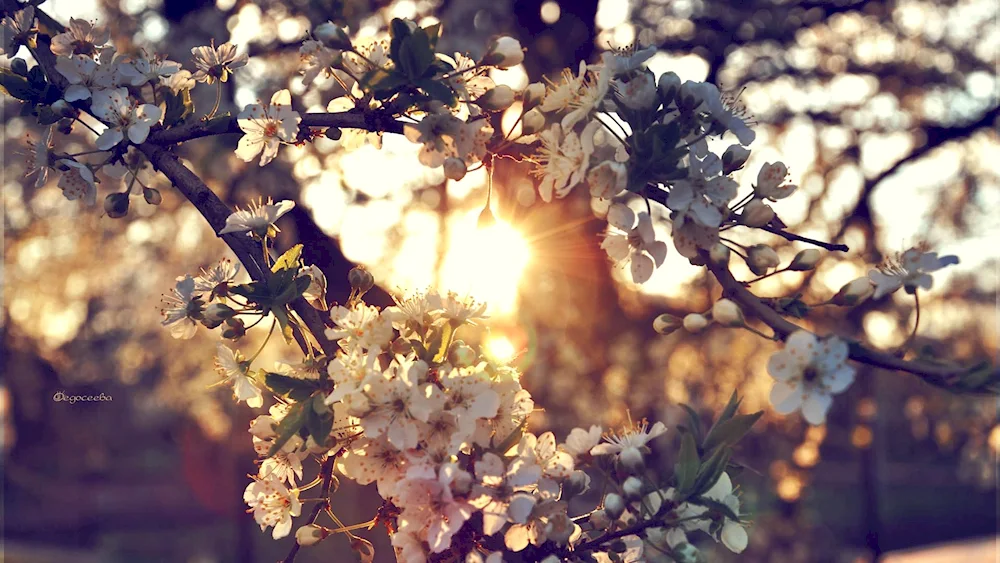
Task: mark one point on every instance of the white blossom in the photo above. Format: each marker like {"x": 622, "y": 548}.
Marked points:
{"x": 124, "y": 117}
{"x": 909, "y": 269}
{"x": 222, "y": 273}
{"x": 231, "y": 366}
{"x": 80, "y": 38}
{"x": 362, "y": 326}
{"x": 563, "y": 161}
{"x": 180, "y": 308}
{"x": 808, "y": 372}
{"x": 705, "y": 193}
{"x": 636, "y": 244}
{"x": 16, "y": 29}
{"x": 633, "y": 437}
{"x": 265, "y": 127}
{"x": 273, "y": 505}
{"x": 258, "y": 218}
{"x": 771, "y": 181}
{"x": 39, "y": 157}
{"x": 216, "y": 63}
{"x": 142, "y": 70}
{"x": 77, "y": 181}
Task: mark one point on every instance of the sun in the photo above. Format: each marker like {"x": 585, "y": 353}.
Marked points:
{"x": 488, "y": 263}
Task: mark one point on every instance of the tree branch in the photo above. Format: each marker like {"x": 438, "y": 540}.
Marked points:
{"x": 935, "y": 374}
{"x": 326, "y": 473}
{"x": 371, "y": 121}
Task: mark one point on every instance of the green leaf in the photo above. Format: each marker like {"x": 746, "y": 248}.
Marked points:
{"x": 289, "y": 426}
{"x": 36, "y": 77}
{"x": 17, "y": 86}
{"x": 695, "y": 421}
{"x": 398, "y": 30}
{"x": 381, "y": 81}
{"x": 319, "y": 419}
{"x": 686, "y": 468}
{"x": 254, "y": 291}
{"x": 717, "y": 506}
{"x": 439, "y": 343}
{"x": 281, "y": 315}
{"x": 178, "y": 106}
{"x": 292, "y": 387}
{"x": 415, "y": 54}
{"x": 729, "y": 432}
{"x": 730, "y": 409}
{"x": 433, "y": 34}
{"x": 289, "y": 260}
{"x": 711, "y": 470}
{"x": 438, "y": 90}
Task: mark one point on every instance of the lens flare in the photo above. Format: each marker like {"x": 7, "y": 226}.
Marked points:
{"x": 487, "y": 262}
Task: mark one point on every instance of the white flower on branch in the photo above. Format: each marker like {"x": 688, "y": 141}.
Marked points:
{"x": 705, "y": 193}
{"x": 771, "y": 182}
{"x": 608, "y": 179}
{"x": 80, "y": 38}
{"x": 273, "y": 505}
{"x": 361, "y": 326}
{"x": 501, "y": 490}
{"x": 628, "y": 60}
{"x": 143, "y": 69}
{"x": 124, "y": 117}
{"x": 86, "y": 77}
{"x": 77, "y": 181}
{"x": 216, "y": 63}
{"x": 316, "y": 58}
{"x": 636, "y": 244}
{"x": 367, "y": 461}
{"x": 398, "y": 399}
{"x": 231, "y": 366}
{"x": 909, "y": 269}
{"x": 457, "y": 308}
{"x": 39, "y": 157}
{"x": 630, "y": 441}
{"x": 178, "y": 81}
{"x": 430, "y": 508}
{"x": 808, "y": 372}
{"x": 563, "y": 161}
{"x": 220, "y": 275}
{"x": 579, "y": 442}
{"x": 180, "y": 308}
{"x": 267, "y": 126}
{"x": 16, "y": 29}
{"x": 258, "y": 219}
{"x": 732, "y": 534}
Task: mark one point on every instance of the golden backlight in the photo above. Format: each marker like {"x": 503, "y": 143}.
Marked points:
{"x": 487, "y": 263}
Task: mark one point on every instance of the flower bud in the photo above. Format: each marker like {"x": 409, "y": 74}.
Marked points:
{"x": 360, "y": 279}
{"x": 854, "y": 292}
{"x": 333, "y": 133}
{"x": 454, "y": 168}
{"x": 504, "y": 52}
{"x": 599, "y": 520}
{"x": 152, "y": 196}
{"x": 332, "y": 36}
{"x": 734, "y": 158}
{"x": 719, "y": 254}
{"x": 532, "y": 95}
{"x": 694, "y": 323}
{"x": 62, "y": 108}
{"x": 757, "y": 214}
{"x": 577, "y": 484}
{"x": 497, "y": 98}
{"x": 631, "y": 460}
{"x": 614, "y": 506}
{"x": 666, "y": 324}
{"x": 632, "y": 487}
{"x": 668, "y": 85}
{"x": 19, "y": 66}
{"x": 401, "y": 346}
{"x": 218, "y": 312}
{"x": 805, "y": 260}
{"x": 560, "y": 529}
{"x": 311, "y": 535}
{"x": 761, "y": 258}
{"x": 116, "y": 205}
{"x": 235, "y": 329}
{"x": 532, "y": 122}
{"x": 727, "y": 313}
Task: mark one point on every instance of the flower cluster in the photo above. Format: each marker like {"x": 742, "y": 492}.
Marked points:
{"x": 441, "y": 430}
{"x": 119, "y": 97}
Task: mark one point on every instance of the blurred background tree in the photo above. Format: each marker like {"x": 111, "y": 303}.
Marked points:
{"x": 885, "y": 112}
